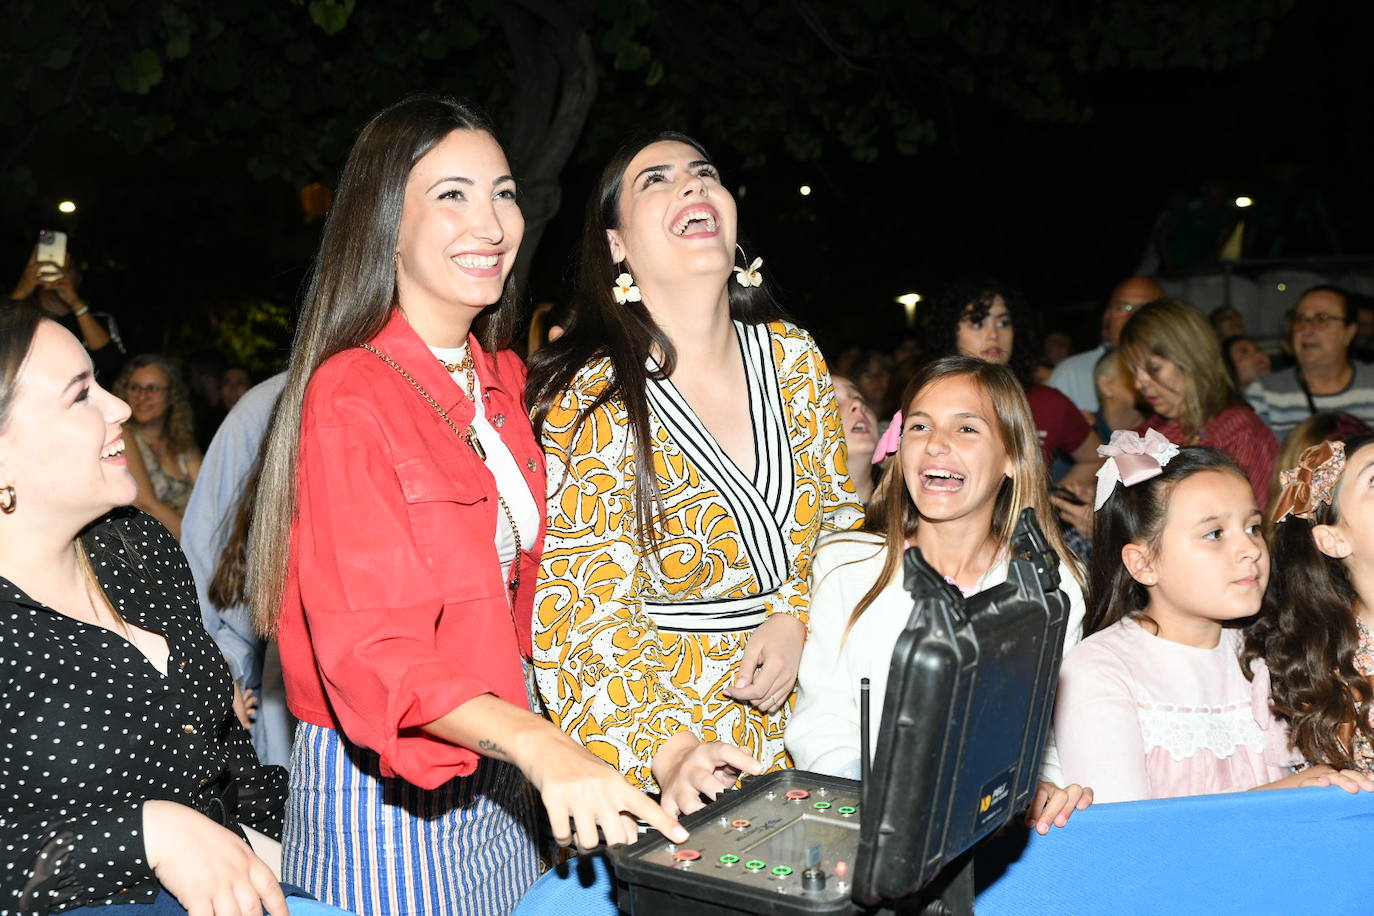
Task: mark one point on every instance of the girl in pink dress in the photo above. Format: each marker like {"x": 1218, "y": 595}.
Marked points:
{"x": 1316, "y": 639}
{"x": 1156, "y": 702}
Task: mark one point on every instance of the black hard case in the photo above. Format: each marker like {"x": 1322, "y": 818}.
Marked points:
{"x": 968, "y": 708}
{"x": 970, "y": 695}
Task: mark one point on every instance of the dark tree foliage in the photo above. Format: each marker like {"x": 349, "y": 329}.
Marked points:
{"x": 238, "y": 103}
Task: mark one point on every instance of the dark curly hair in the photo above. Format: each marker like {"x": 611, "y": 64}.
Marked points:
{"x": 1308, "y": 637}
{"x": 973, "y": 299}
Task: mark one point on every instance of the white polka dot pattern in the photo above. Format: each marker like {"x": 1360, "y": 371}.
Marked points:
{"x": 89, "y": 729}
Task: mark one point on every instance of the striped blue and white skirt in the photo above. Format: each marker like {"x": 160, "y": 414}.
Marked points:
{"x": 382, "y": 847}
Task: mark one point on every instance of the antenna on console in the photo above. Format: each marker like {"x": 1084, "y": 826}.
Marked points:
{"x": 863, "y": 731}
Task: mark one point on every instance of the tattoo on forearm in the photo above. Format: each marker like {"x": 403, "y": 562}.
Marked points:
{"x": 491, "y": 747}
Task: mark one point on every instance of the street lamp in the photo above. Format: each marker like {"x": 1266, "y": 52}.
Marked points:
{"x": 805, "y": 190}
{"x": 66, "y": 206}
{"x": 1244, "y": 202}
{"x": 908, "y": 301}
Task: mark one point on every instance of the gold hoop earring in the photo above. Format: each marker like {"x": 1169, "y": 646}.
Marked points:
{"x": 9, "y": 500}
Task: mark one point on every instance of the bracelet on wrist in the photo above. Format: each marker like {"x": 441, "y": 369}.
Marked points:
{"x": 82, "y": 310}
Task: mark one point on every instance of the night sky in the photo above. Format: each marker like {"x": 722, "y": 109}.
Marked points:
{"x": 1060, "y": 210}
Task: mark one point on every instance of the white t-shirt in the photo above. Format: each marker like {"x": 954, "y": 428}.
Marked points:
{"x": 510, "y": 483}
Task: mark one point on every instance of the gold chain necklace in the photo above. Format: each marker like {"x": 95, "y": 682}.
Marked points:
{"x": 470, "y": 437}
{"x": 469, "y": 368}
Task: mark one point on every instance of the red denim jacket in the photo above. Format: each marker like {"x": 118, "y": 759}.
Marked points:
{"x": 395, "y": 610}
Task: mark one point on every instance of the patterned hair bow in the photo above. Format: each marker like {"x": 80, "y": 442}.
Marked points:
{"x": 890, "y": 441}
{"x": 1131, "y": 459}
{"x": 1308, "y": 485}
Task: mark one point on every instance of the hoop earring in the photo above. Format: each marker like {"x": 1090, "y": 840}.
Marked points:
{"x": 748, "y": 276}
{"x": 9, "y": 500}
{"x": 625, "y": 290}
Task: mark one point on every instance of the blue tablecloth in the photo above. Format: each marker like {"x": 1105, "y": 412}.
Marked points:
{"x": 1296, "y": 851}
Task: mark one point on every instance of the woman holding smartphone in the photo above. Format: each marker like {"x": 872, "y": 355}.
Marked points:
{"x": 49, "y": 283}
{"x": 397, "y": 537}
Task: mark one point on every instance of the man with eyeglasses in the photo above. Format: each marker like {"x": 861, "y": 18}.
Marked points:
{"x": 1325, "y": 378}
{"x": 1075, "y": 375}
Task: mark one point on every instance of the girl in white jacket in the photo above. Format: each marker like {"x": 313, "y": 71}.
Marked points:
{"x": 967, "y": 464}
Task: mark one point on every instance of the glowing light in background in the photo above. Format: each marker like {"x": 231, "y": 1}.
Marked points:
{"x": 908, "y": 301}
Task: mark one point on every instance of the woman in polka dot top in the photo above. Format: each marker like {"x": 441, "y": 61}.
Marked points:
{"x": 124, "y": 773}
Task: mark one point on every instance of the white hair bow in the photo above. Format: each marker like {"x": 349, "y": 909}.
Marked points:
{"x": 1131, "y": 459}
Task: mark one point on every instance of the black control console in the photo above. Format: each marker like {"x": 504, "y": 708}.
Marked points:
{"x": 783, "y": 843}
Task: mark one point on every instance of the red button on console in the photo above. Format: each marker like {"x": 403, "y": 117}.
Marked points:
{"x": 798, "y": 794}
{"x": 687, "y": 855}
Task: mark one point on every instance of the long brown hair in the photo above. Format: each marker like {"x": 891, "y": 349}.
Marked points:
{"x": 1308, "y": 637}
{"x": 350, "y": 298}
{"x": 18, "y": 324}
{"x": 1174, "y": 330}
{"x": 229, "y": 585}
{"x": 624, "y": 334}
{"x": 892, "y": 512}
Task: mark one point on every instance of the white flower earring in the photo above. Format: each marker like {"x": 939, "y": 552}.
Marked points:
{"x": 624, "y": 289}
{"x": 749, "y": 276}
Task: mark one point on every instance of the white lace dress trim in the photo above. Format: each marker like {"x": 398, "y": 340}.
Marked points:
{"x": 1182, "y": 731}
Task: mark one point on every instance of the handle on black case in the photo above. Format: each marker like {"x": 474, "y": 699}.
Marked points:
{"x": 1033, "y": 554}
{"x": 925, "y": 585}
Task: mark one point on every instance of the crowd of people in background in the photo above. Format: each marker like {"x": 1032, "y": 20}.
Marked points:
{"x": 474, "y": 599}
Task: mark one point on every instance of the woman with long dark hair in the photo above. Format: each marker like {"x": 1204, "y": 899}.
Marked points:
{"x": 695, "y": 456}
{"x": 397, "y": 536}
{"x": 1316, "y": 635}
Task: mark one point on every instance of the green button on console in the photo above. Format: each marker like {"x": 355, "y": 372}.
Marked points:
{"x": 756, "y": 865}
{"x": 846, "y": 809}
{"x": 821, "y": 806}
{"x": 782, "y": 871}
{"x": 729, "y": 859}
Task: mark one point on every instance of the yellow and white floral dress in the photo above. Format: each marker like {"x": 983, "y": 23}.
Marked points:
{"x": 628, "y": 647}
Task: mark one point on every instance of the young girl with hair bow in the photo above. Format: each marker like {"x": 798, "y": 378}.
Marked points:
{"x": 1316, "y": 637}
{"x": 1156, "y": 701}
{"x": 967, "y": 462}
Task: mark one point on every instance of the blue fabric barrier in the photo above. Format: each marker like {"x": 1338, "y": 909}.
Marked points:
{"x": 165, "y": 904}
{"x": 1285, "y": 851}
{"x": 1294, "y": 851}
{"x": 579, "y": 887}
